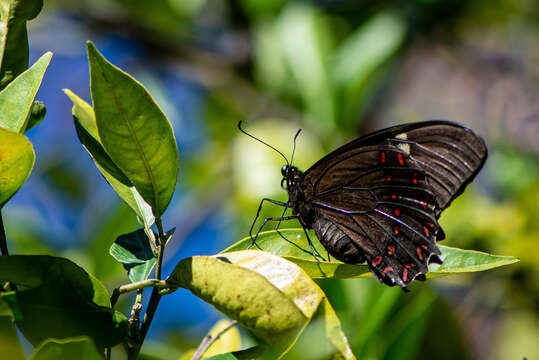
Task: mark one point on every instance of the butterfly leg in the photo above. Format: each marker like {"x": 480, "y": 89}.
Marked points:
{"x": 314, "y": 251}
{"x": 253, "y": 240}
{"x": 264, "y": 223}
{"x": 292, "y": 242}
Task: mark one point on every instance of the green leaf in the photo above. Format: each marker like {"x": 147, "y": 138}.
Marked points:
{"x": 265, "y": 293}
{"x": 134, "y": 131}
{"x": 296, "y": 250}
{"x": 81, "y": 347}
{"x": 16, "y": 162}
{"x": 76, "y": 303}
{"x": 9, "y": 339}
{"x": 36, "y": 115}
{"x": 17, "y": 99}
{"x": 14, "y": 38}
{"x": 84, "y": 118}
{"x": 134, "y": 251}
{"x": 457, "y": 261}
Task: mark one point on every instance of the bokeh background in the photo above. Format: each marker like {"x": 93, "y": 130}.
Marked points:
{"x": 337, "y": 69}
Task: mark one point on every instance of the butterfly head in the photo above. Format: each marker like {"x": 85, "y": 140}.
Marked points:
{"x": 292, "y": 176}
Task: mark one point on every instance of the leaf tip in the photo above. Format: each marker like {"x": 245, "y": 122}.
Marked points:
{"x": 92, "y": 50}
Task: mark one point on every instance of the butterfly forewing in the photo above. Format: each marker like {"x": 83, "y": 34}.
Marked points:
{"x": 384, "y": 193}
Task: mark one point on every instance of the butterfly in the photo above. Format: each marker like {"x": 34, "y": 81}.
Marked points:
{"x": 378, "y": 198}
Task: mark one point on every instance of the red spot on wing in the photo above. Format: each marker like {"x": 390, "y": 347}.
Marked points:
{"x": 396, "y": 229}
{"x": 389, "y": 178}
{"x": 405, "y": 275}
{"x": 393, "y": 196}
{"x": 424, "y": 205}
{"x": 389, "y": 268}
{"x": 414, "y": 181}
{"x": 427, "y": 232}
{"x": 419, "y": 253}
{"x": 383, "y": 157}
{"x": 397, "y": 212}
{"x": 408, "y": 266}
{"x": 377, "y": 260}
{"x": 391, "y": 250}
{"x": 400, "y": 158}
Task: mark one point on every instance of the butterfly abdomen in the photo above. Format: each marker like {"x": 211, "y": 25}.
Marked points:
{"x": 337, "y": 243}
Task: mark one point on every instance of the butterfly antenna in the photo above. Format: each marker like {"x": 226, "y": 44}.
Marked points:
{"x": 263, "y": 142}
{"x": 294, "y": 148}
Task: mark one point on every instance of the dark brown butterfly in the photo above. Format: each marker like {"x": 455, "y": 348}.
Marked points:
{"x": 378, "y": 198}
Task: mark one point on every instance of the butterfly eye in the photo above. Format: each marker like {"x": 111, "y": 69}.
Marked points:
{"x": 283, "y": 184}
{"x": 284, "y": 170}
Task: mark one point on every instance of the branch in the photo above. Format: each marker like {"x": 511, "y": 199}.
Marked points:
{"x": 3, "y": 240}
{"x": 156, "y": 297}
{"x": 208, "y": 340}
{"x": 141, "y": 285}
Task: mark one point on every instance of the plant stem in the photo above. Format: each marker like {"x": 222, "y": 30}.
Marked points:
{"x": 148, "y": 317}
{"x": 156, "y": 297}
{"x": 114, "y": 297}
{"x": 3, "y": 246}
{"x": 208, "y": 340}
{"x": 141, "y": 285}
{"x": 134, "y": 319}
{"x": 162, "y": 244}
{"x": 3, "y": 240}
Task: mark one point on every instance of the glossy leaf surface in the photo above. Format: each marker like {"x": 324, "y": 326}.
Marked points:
{"x": 134, "y": 251}
{"x": 76, "y": 302}
{"x": 134, "y": 131}
{"x": 296, "y": 250}
{"x": 14, "y": 38}
{"x": 84, "y": 118}
{"x": 81, "y": 348}
{"x": 17, "y": 99}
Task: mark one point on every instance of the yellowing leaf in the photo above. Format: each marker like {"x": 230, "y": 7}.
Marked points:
{"x": 16, "y": 161}
{"x": 270, "y": 295}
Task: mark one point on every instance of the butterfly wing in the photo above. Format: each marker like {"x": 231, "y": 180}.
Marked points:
{"x": 385, "y": 191}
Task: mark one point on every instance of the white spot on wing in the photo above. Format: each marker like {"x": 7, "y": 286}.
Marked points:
{"x": 403, "y": 146}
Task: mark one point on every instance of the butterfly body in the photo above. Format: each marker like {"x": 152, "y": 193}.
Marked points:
{"x": 379, "y": 197}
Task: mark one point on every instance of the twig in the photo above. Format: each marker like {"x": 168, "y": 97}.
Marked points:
{"x": 141, "y": 285}
{"x": 3, "y": 240}
{"x": 162, "y": 244}
{"x": 156, "y": 297}
{"x": 3, "y": 246}
{"x": 114, "y": 297}
{"x": 134, "y": 319}
{"x": 208, "y": 340}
